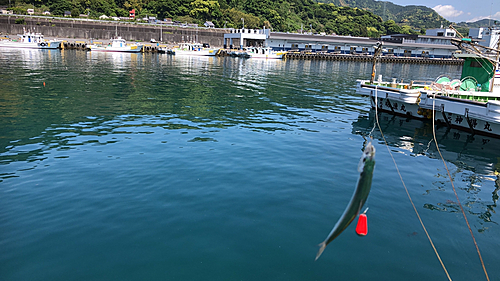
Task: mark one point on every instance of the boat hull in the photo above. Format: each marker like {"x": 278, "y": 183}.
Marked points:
{"x": 22, "y": 45}
{"x": 476, "y": 117}
{"x": 395, "y": 101}
{"x": 210, "y": 52}
{"x": 472, "y": 116}
{"x": 266, "y": 56}
{"x": 126, "y": 49}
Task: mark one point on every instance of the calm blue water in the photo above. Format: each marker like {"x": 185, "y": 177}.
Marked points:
{"x": 152, "y": 167}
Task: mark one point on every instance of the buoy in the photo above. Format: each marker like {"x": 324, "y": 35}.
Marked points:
{"x": 362, "y": 227}
{"x": 44, "y": 84}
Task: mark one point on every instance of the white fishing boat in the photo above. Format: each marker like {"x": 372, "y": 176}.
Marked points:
{"x": 116, "y": 45}
{"x": 470, "y": 103}
{"x": 30, "y": 40}
{"x": 264, "y": 53}
{"x": 192, "y": 49}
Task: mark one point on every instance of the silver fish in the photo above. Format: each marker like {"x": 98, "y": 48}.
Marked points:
{"x": 365, "y": 168}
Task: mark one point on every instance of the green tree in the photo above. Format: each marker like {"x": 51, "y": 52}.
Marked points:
{"x": 205, "y": 9}
{"x": 58, "y": 7}
{"x": 391, "y": 27}
{"x": 75, "y": 12}
{"x": 234, "y": 17}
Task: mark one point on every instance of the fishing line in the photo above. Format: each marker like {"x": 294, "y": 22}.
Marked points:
{"x": 454, "y": 191}
{"x": 406, "y": 189}
{"x": 376, "y": 105}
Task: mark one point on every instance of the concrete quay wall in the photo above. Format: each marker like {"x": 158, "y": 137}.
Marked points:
{"x": 104, "y": 30}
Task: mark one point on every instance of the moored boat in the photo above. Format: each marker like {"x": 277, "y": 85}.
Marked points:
{"x": 116, "y": 45}
{"x": 264, "y": 53}
{"x": 30, "y": 40}
{"x": 192, "y": 49}
{"x": 470, "y": 103}
{"x": 239, "y": 53}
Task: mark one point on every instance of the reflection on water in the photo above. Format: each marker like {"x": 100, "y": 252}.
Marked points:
{"x": 137, "y": 166}
{"x": 475, "y": 153}
{"x": 475, "y": 158}
{"x": 119, "y": 61}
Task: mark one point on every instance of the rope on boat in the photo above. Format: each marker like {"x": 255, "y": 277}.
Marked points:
{"x": 406, "y": 189}
{"x": 453, "y": 186}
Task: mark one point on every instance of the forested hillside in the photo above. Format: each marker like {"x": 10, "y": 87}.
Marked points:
{"x": 415, "y": 16}
{"x": 281, "y": 15}
{"x": 479, "y": 23}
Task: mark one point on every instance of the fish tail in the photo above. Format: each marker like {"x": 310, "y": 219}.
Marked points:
{"x": 322, "y": 247}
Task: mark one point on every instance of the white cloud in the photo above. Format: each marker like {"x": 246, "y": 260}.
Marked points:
{"x": 447, "y": 11}
{"x": 496, "y": 16}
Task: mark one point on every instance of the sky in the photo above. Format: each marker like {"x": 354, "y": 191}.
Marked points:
{"x": 459, "y": 10}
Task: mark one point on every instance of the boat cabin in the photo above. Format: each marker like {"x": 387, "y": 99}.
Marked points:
{"x": 29, "y": 37}
{"x": 118, "y": 42}
{"x": 191, "y": 46}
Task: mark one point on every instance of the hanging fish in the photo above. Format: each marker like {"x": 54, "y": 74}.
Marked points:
{"x": 365, "y": 168}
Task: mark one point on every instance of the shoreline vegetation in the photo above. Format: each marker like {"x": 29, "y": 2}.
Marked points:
{"x": 294, "y": 16}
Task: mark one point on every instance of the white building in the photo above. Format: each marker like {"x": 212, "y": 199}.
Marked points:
{"x": 209, "y": 24}
{"x": 442, "y": 32}
{"x": 488, "y": 36}
{"x": 403, "y": 45}
{"x": 240, "y": 38}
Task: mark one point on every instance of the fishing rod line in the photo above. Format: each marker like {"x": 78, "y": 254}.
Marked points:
{"x": 454, "y": 191}
{"x": 406, "y": 189}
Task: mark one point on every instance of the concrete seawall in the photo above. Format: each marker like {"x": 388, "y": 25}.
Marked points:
{"x": 99, "y": 30}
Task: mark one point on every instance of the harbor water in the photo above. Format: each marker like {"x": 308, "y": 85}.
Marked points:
{"x": 156, "y": 167}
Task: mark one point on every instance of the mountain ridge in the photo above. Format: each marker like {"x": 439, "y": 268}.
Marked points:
{"x": 416, "y": 16}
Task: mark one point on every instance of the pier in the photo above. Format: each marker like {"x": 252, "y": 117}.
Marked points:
{"x": 82, "y": 45}
{"x": 294, "y": 55}
{"x": 369, "y": 58}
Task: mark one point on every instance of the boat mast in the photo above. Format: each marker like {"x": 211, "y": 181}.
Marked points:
{"x": 378, "y": 50}
{"x": 495, "y": 66}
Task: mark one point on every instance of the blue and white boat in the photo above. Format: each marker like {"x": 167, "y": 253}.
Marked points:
{"x": 30, "y": 40}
